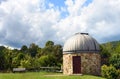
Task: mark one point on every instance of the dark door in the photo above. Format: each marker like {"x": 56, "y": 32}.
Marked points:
{"x": 76, "y": 64}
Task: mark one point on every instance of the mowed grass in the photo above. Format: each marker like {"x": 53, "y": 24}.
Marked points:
{"x": 44, "y": 75}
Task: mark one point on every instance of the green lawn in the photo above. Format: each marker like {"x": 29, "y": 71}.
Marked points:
{"x": 43, "y": 75}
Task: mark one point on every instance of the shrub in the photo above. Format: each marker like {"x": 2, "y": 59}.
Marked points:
{"x": 115, "y": 60}
{"x": 109, "y": 72}
{"x": 119, "y": 74}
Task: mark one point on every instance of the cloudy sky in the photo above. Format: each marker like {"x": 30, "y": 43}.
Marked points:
{"x": 26, "y": 21}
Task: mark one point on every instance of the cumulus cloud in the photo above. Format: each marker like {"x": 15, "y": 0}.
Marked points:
{"x": 24, "y": 22}
{"x": 100, "y": 18}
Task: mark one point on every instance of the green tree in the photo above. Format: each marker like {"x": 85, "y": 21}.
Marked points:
{"x": 105, "y": 54}
{"x": 26, "y": 62}
{"x": 2, "y": 58}
{"x": 43, "y": 61}
{"x": 32, "y": 57}
{"x": 109, "y": 47}
{"x": 39, "y": 53}
{"x": 16, "y": 60}
{"x": 47, "y": 60}
{"x": 117, "y": 49}
{"x": 33, "y": 49}
{"x": 8, "y": 57}
{"x": 24, "y": 49}
{"x": 49, "y": 43}
{"x": 115, "y": 60}
{"x": 58, "y": 53}
{"x": 47, "y": 50}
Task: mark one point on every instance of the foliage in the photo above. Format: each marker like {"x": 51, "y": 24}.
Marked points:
{"x": 115, "y": 60}
{"x": 119, "y": 73}
{"x": 115, "y": 43}
{"x": 24, "y": 49}
{"x": 47, "y": 60}
{"x": 105, "y": 54}
{"x": 49, "y": 43}
{"x": 33, "y": 49}
{"x": 109, "y": 72}
{"x": 2, "y": 58}
{"x": 26, "y": 62}
{"x": 109, "y": 52}
{"x": 30, "y": 57}
{"x": 43, "y": 60}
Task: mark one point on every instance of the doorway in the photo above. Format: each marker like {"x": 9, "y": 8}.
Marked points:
{"x": 76, "y": 64}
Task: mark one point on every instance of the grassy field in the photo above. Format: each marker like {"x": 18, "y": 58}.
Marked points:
{"x": 43, "y": 75}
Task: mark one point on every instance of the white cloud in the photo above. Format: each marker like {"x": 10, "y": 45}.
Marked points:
{"x": 100, "y": 18}
{"x": 74, "y": 6}
{"x": 25, "y": 21}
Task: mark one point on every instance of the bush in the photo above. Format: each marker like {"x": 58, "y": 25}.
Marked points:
{"x": 118, "y": 71}
{"x": 115, "y": 60}
{"x": 110, "y": 72}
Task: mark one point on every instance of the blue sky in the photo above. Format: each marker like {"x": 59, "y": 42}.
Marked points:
{"x": 87, "y": 2}
{"x": 58, "y": 3}
{"x": 23, "y": 22}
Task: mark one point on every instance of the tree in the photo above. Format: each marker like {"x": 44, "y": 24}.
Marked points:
{"x": 16, "y": 60}
{"x": 31, "y": 57}
{"x": 47, "y": 60}
{"x": 43, "y": 61}
{"x": 47, "y": 50}
{"x": 49, "y": 43}
{"x": 115, "y": 60}
{"x": 109, "y": 47}
{"x": 33, "y": 49}
{"x": 105, "y": 54}
{"x": 24, "y": 49}
{"x": 2, "y": 58}
{"x": 27, "y": 62}
{"x": 117, "y": 49}
{"x": 39, "y": 53}
{"x": 8, "y": 57}
{"x": 2, "y": 48}
{"x": 58, "y": 53}
{"x": 115, "y": 57}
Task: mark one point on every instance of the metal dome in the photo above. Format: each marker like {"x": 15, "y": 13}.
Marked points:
{"x": 80, "y": 43}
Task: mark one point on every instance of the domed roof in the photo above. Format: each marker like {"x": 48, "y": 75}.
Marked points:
{"x": 80, "y": 43}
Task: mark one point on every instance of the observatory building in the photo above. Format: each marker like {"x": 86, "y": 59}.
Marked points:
{"x": 81, "y": 55}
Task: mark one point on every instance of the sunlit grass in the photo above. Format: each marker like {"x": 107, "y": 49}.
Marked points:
{"x": 44, "y": 75}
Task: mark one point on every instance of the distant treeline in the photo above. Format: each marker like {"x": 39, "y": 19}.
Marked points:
{"x": 31, "y": 57}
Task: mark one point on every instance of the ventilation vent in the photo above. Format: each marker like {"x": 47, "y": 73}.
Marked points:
{"x": 82, "y": 33}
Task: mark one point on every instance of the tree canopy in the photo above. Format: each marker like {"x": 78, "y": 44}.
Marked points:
{"x": 31, "y": 56}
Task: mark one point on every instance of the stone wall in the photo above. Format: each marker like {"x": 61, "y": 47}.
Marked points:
{"x": 67, "y": 64}
{"x": 90, "y": 63}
